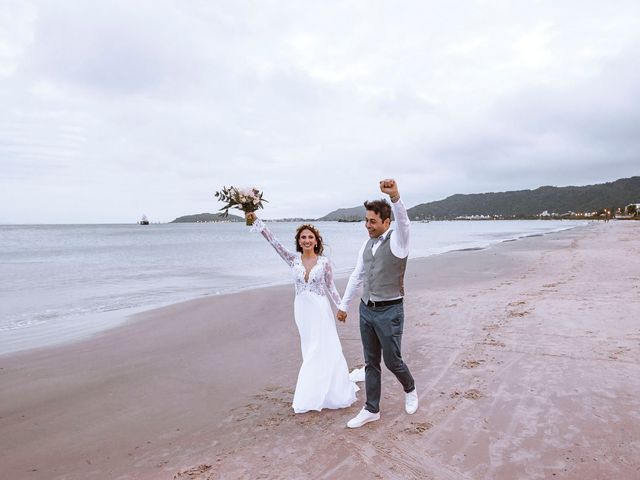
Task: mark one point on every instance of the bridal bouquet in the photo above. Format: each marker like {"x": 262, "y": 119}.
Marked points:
{"x": 245, "y": 199}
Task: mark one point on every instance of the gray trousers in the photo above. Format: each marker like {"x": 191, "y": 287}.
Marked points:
{"x": 381, "y": 332}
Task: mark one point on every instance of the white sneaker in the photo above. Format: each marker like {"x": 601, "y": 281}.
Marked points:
{"x": 357, "y": 375}
{"x": 365, "y": 416}
{"x": 411, "y": 402}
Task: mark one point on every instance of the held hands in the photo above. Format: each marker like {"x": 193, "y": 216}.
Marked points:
{"x": 341, "y": 316}
{"x": 250, "y": 216}
{"x": 390, "y": 187}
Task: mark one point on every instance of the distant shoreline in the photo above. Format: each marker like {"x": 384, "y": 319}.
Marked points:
{"x": 269, "y": 220}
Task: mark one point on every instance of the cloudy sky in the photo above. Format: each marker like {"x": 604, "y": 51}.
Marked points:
{"x": 114, "y": 109}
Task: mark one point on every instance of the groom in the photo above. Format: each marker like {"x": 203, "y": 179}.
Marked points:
{"x": 380, "y": 271}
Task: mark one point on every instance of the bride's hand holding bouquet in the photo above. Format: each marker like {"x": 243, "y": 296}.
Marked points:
{"x": 250, "y": 217}
{"x": 246, "y": 199}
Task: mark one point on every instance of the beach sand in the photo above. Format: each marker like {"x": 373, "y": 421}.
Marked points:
{"x": 526, "y": 357}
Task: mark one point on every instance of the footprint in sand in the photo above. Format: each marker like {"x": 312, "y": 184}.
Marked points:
{"x": 493, "y": 342}
{"x": 472, "y": 363}
{"x": 616, "y": 353}
{"x": 515, "y": 312}
{"x": 194, "y": 472}
{"x": 274, "y": 395}
{"x": 418, "y": 428}
{"x": 240, "y": 414}
{"x": 274, "y": 420}
{"x": 472, "y": 394}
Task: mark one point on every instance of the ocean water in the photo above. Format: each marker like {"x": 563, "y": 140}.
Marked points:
{"x": 63, "y": 282}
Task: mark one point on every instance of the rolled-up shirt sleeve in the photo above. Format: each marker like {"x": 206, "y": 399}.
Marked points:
{"x": 355, "y": 282}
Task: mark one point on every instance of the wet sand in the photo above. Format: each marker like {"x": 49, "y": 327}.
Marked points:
{"x": 526, "y": 358}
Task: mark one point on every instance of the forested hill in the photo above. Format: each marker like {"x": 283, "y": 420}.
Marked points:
{"x": 207, "y": 217}
{"x": 345, "y": 214}
{"x": 521, "y": 203}
{"x": 527, "y": 203}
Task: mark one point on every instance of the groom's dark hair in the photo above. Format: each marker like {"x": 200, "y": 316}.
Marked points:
{"x": 381, "y": 207}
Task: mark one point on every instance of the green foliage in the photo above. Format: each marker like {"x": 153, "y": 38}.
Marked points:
{"x": 529, "y": 203}
{"x": 207, "y": 217}
{"x": 245, "y": 199}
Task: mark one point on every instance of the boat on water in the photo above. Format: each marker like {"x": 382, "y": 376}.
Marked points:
{"x": 143, "y": 220}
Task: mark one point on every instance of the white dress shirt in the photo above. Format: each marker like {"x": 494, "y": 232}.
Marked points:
{"x": 399, "y": 247}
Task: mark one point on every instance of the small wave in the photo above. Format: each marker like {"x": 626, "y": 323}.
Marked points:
{"x": 20, "y": 324}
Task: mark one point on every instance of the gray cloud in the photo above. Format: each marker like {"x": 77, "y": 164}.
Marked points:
{"x": 115, "y": 109}
{"x": 586, "y": 132}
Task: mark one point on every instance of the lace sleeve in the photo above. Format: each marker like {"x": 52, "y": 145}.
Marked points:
{"x": 286, "y": 255}
{"x": 329, "y": 284}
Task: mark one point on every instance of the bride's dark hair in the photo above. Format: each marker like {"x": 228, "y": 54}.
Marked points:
{"x": 319, "y": 248}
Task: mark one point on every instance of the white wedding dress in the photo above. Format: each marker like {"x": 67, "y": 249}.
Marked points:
{"x": 323, "y": 380}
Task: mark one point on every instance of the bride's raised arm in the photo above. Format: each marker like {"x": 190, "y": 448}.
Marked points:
{"x": 259, "y": 226}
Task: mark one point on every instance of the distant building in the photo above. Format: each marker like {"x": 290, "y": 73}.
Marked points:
{"x": 546, "y": 214}
{"x": 632, "y": 209}
{"x": 476, "y": 217}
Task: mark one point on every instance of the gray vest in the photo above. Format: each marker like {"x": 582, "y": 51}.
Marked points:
{"x": 383, "y": 272}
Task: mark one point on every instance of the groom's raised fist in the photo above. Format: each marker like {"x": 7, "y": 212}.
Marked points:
{"x": 390, "y": 187}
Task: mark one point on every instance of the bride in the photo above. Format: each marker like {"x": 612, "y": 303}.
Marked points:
{"x": 323, "y": 380}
